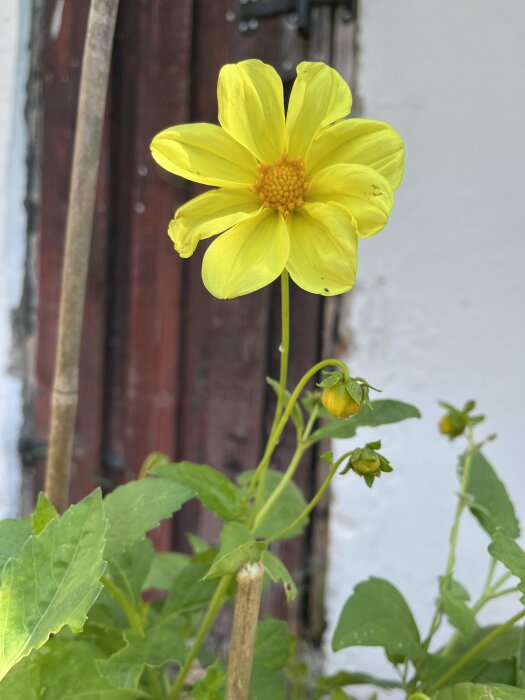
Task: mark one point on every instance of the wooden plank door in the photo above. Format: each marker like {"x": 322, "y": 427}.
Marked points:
{"x": 164, "y": 365}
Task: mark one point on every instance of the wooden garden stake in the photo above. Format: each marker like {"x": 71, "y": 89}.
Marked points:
{"x": 86, "y": 157}
{"x": 244, "y": 628}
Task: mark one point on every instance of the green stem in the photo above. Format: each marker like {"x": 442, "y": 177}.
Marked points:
{"x": 287, "y": 476}
{"x": 451, "y": 561}
{"x": 284, "y": 347}
{"x": 135, "y": 622}
{"x": 490, "y": 592}
{"x": 310, "y": 424}
{"x": 129, "y": 610}
{"x": 208, "y": 620}
{"x": 315, "y": 500}
{"x": 274, "y": 437}
{"x": 475, "y": 651}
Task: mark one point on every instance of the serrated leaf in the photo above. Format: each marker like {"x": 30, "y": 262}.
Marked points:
{"x": 376, "y": 614}
{"x": 64, "y": 669}
{"x": 277, "y": 571}
{"x": 165, "y": 567}
{"x": 491, "y": 505}
{"x": 214, "y": 490}
{"x": 297, "y": 414}
{"x": 53, "y": 582}
{"x": 137, "y": 507}
{"x": 383, "y": 412}
{"x": 161, "y": 643}
{"x": 43, "y": 514}
{"x": 508, "y": 552}
{"x": 272, "y": 644}
{"x": 478, "y": 691}
{"x": 284, "y": 511}
{"x": 13, "y": 535}
{"x": 459, "y": 614}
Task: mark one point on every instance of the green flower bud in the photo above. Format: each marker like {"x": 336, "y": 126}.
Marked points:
{"x": 367, "y": 466}
{"x": 339, "y": 403}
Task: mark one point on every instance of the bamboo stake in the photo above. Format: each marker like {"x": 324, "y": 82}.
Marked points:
{"x": 86, "y": 158}
{"x": 245, "y": 616}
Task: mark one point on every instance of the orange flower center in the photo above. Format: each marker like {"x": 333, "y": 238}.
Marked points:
{"x": 282, "y": 184}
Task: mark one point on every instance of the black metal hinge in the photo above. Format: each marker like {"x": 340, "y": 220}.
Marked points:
{"x": 251, "y": 12}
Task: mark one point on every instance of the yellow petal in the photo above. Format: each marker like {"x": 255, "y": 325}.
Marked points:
{"x": 323, "y": 249}
{"x": 208, "y": 214}
{"x": 249, "y": 256}
{"x": 360, "y": 141}
{"x": 319, "y": 97}
{"x": 362, "y": 191}
{"x": 251, "y": 107}
{"x": 204, "y": 153}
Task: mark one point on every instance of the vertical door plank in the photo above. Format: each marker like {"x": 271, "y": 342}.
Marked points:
{"x": 151, "y": 91}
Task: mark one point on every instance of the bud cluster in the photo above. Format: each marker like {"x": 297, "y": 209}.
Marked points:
{"x": 367, "y": 462}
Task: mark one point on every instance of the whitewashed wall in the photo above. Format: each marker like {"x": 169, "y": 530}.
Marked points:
{"x": 438, "y": 312}
{"x": 14, "y": 36}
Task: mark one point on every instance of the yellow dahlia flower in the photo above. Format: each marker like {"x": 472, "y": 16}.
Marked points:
{"x": 294, "y": 191}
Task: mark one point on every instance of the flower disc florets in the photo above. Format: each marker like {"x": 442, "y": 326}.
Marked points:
{"x": 282, "y": 185}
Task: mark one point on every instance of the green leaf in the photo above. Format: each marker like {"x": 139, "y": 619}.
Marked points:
{"x": 64, "y": 669}
{"x": 189, "y": 590}
{"x": 165, "y": 567}
{"x": 43, "y": 514}
{"x": 381, "y": 412}
{"x": 211, "y": 687}
{"x": 503, "y": 646}
{"x": 501, "y": 671}
{"x": 237, "y": 548}
{"x": 214, "y": 490}
{"x": 491, "y": 504}
{"x": 162, "y": 643}
{"x": 277, "y": 571}
{"x": 13, "y": 535}
{"x": 137, "y": 507}
{"x": 460, "y": 615}
{"x": 267, "y": 685}
{"x": 54, "y": 581}
{"x": 130, "y": 569}
{"x": 376, "y": 614}
{"x": 297, "y": 414}
{"x": 478, "y": 691}
{"x": 437, "y": 666}
{"x": 508, "y": 552}
{"x": 284, "y": 511}
{"x": 340, "y": 680}
{"x": 272, "y": 644}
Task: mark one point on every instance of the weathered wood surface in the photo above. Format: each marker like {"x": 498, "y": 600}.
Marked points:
{"x": 164, "y": 365}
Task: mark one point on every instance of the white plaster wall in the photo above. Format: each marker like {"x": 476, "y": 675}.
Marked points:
{"x": 14, "y": 34}
{"x": 438, "y": 312}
